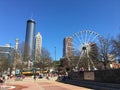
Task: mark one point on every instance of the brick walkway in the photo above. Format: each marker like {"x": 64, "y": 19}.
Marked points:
{"x": 40, "y": 84}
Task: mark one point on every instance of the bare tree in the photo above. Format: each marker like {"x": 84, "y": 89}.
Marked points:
{"x": 116, "y": 46}
{"x": 17, "y": 64}
{"x": 45, "y": 57}
{"x": 105, "y": 51}
{"x": 21, "y": 53}
{"x": 45, "y": 61}
{"x": 21, "y": 49}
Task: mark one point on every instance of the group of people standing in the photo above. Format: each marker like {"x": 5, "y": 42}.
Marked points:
{"x": 41, "y": 75}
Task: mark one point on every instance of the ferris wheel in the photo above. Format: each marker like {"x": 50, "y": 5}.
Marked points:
{"x": 85, "y": 45}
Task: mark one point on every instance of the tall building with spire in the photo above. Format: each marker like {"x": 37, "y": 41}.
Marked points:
{"x": 38, "y": 46}
{"x": 29, "y": 50}
{"x": 16, "y": 44}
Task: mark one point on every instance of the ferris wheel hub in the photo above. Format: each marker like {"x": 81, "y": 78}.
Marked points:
{"x": 86, "y": 47}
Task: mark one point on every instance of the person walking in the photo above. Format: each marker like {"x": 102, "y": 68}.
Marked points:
{"x": 35, "y": 77}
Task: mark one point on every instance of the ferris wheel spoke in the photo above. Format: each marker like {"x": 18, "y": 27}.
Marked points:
{"x": 79, "y": 38}
{"x": 77, "y": 41}
{"x": 94, "y": 37}
{"x": 89, "y": 37}
{"x": 81, "y": 35}
{"x": 77, "y": 46}
{"x": 86, "y": 35}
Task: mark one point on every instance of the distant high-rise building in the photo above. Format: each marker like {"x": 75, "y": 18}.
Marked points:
{"x": 29, "y": 50}
{"x": 16, "y": 44}
{"x": 67, "y": 47}
{"x": 7, "y": 52}
{"x": 38, "y": 46}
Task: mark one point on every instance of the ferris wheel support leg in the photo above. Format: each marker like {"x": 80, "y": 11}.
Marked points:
{"x": 89, "y": 65}
{"x": 92, "y": 63}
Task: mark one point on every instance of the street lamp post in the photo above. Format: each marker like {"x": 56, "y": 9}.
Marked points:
{"x": 55, "y": 53}
{"x": 55, "y": 59}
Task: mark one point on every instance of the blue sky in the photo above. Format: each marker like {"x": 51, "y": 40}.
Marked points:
{"x": 56, "y": 19}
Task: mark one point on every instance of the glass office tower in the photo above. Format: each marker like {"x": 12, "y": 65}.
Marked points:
{"x": 29, "y": 50}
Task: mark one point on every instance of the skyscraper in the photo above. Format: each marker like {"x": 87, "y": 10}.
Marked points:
{"x": 7, "y": 52}
{"x": 38, "y": 46}
{"x": 67, "y": 47}
{"x": 29, "y": 50}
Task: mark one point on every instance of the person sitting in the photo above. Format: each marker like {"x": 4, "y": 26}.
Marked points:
{"x": 1, "y": 81}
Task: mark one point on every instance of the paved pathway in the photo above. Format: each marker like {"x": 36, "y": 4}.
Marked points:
{"x": 39, "y": 84}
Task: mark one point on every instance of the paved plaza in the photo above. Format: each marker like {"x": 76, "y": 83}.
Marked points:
{"x": 39, "y": 84}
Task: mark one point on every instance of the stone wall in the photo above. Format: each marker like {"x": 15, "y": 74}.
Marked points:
{"x": 76, "y": 75}
{"x": 108, "y": 76}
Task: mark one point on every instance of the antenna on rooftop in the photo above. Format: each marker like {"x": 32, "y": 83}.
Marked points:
{"x": 31, "y": 17}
